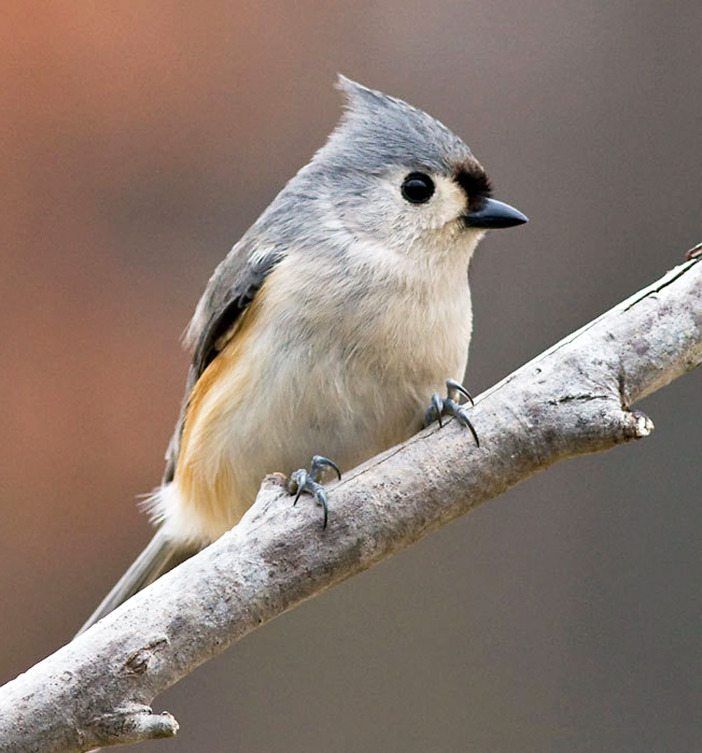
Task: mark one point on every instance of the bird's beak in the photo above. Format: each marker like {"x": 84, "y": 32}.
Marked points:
{"x": 494, "y": 214}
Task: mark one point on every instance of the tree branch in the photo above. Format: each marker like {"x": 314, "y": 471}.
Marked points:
{"x": 575, "y": 398}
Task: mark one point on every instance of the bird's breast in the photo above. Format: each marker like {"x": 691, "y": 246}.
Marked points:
{"x": 327, "y": 360}
{"x": 359, "y": 349}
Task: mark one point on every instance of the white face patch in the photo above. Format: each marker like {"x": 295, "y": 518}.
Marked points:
{"x": 448, "y": 202}
{"x": 396, "y": 223}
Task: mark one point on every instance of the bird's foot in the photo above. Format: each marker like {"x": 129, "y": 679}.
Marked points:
{"x": 449, "y": 406}
{"x": 303, "y": 480}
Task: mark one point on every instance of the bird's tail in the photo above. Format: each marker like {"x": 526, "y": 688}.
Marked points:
{"x": 161, "y": 555}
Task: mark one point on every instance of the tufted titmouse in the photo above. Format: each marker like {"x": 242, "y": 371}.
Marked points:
{"x": 328, "y": 326}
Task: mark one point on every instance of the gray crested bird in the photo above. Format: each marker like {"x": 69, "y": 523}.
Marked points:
{"x": 328, "y": 326}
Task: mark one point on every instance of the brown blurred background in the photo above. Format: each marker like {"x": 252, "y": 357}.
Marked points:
{"x": 140, "y": 139}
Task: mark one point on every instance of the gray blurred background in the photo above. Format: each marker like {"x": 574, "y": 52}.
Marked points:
{"x": 140, "y": 139}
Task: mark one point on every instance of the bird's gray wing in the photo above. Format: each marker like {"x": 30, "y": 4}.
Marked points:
{"x": 230, "y": 291}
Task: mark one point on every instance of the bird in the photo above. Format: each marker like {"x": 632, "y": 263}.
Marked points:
{"x": 331, "y": 329}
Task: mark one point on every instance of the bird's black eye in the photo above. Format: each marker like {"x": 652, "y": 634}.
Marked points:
{"x": 417, "y": 188}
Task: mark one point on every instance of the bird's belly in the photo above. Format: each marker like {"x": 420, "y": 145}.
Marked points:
{"x": 269, "y": 403}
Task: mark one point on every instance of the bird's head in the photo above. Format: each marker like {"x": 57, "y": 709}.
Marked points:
{"x": 396, "y": 176}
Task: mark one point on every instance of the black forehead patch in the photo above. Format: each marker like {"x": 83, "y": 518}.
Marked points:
{"x": 475, "y": 183}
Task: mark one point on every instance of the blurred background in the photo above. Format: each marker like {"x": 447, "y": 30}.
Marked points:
{"x": 140, "y": 139}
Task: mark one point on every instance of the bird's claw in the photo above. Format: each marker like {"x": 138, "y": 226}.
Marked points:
{"x": 303, "y": 480}
{"x": 452, "y": 386}
{"x": 449, "y": 406}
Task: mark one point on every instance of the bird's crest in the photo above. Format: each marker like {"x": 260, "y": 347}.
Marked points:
{"x": 383, "y": 130}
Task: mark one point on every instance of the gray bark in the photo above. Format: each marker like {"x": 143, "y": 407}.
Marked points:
{"x": 575, "y": 398}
